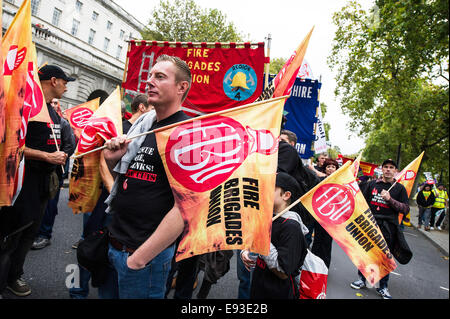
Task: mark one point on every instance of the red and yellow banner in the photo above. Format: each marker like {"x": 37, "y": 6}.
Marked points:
{"x": 408, "y": 175}
{"x": 222, "y": 77}
{"x": 34, "y": 98}
{"x": 222, "y": 172}
{"x": 16, "y": 47}
{"x": 285, "y": 79}
{"x": 368, "y": 169}
{"x": 340, "y": 208}
{"x": 79, "y": 115}
{"x": 85, "y": 179}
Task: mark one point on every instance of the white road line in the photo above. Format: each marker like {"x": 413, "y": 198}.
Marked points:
{"x": 409, "y": 234}
{"x": 394, "y": 273}
{"x": 443, "y": 288}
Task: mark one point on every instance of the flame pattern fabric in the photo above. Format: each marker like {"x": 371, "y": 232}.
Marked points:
{"x": 16, "y": 48}
{"x": 222, "y": 172}
{"x": 85, "y": 179}
{"x": 340, "y": 208}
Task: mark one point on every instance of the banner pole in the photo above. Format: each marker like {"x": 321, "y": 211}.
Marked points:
{"x": 189, "y": 120}
{"x": 125, "y": 70}
{"x": 267, "y": 66}
{"x": 56, "y": 144}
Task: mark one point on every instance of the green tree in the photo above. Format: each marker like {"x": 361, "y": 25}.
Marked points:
{"x": 392, "y": 70}
{"x": 276, "y": 64}
{"x": 185, "y": 21}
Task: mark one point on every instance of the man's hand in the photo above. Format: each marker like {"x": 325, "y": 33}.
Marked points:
{"x": 132, "y": 263}
{"x": 115, "y": 149}
{"x": 57, "y": 158}
{"x": 249, "y": 263}
{"x": 385, "y": 194}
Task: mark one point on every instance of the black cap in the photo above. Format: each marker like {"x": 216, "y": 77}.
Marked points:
{"x": 288, "y": 183}
{"x": 389, "y": 161}
{"x": 49, "y": 71}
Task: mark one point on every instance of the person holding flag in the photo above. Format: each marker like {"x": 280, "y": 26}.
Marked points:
{"x": 43, "y": 153}
{"x": 142, "y": 236}
{"x": 386, "y": 199}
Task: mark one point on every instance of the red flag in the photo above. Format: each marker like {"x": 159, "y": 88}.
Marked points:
{"x": 2, "y": 90}
{"x": 224, "y": 76}
{"x": 79, "y": 115}
{"x": 85, "y": 180}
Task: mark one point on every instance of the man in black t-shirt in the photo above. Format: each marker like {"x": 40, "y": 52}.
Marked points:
{"x": 385, "y": 204}
{"x": 145, "y": 222}
{"x": 41, "y": 159}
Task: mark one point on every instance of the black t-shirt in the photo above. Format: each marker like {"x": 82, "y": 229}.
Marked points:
{"x": 378, "y": 206}
{"x": 288, "y": 239}
{"x": 144, "y": 195}
{"x": 126, "y": 125}
{"x": 40, "y": 137}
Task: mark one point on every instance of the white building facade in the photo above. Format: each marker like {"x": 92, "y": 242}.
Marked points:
{"x": 86, "y": 38}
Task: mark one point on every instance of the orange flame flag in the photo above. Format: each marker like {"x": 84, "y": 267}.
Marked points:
{"x": 408, "y": 175}
{"x": 16, "y": 47}
{"x": 79, "y": 115}
{"x": 221, "y": 168}
{"x": 339, "y": 207}
{"x": 283, "y": 82}
{"x": 85, "y": 180}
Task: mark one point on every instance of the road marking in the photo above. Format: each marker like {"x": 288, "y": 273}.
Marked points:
{"x": 394, "y": 273}
{"x": 443, "y": 288}
{"x": 409, "y": 234}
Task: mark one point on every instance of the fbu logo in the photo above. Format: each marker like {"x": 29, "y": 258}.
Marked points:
{"x": 333, "y": 203}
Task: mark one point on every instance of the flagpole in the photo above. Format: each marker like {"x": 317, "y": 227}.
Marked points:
{"x": 56, "y": 144}
{"x": 188, "y": 121}
{"x": 266, "y": 80}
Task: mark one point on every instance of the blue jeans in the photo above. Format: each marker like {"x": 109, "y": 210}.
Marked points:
{"x": 108, "y": 290}
{"x": 146, "y": 283}
{"x": 244, "y": 277}
{"x": 46, "y": 228}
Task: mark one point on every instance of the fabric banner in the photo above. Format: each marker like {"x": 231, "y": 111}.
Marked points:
{"x": 301, "y": 109}
{"x": 284, "y": 80}
{"x": 222, "y": 77}
{"x": 222, "y": 172}
{"x": 320, "y": 141}
{"x": 85, "y": 179}
{"x": 368, "y": 169}
{"x": 340, "y": 208}
{"x": 79, "y": 115}
{"x": 408, "y": 175}
{"x": 16, "y": 47}
{"x": 34, "y": 97}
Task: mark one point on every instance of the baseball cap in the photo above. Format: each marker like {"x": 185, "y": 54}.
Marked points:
{"x": 389, "y": 161}
{"x": 288, "y": 183}
{"x": 49, "y": 71}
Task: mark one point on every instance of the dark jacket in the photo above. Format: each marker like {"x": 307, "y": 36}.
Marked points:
{"x": 421, "y": 201}
{"x": 290, "y": 163}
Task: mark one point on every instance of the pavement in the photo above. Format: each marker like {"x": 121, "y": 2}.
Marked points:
{"x": 439, "y": 238}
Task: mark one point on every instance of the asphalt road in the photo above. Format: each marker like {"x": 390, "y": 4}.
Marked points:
{"x": 425, "y": 277}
